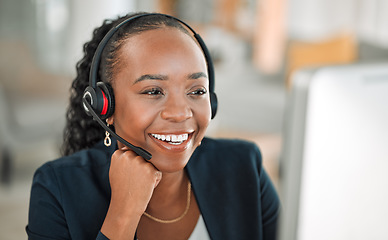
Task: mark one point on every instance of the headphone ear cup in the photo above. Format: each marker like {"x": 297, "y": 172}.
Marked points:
{"x": 213, "y": 103}
{"x": 91, "y": 97}
{"x": 108, "y": 105}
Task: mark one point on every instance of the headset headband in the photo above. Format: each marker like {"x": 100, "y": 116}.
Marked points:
{"x": 97, "y": 56}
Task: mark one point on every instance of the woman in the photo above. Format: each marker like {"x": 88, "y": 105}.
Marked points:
{"x": 192, "y": 187}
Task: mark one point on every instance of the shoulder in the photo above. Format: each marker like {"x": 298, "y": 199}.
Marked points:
{"x": 84, "y": 166}
{"x": 93, "y": 157}
{"x": 66, "y": 178}
{"x": 227, "y": 153}
{"x": 226, "y": 143}
{"x": 69, "y": 193}
{"x": 230, "y": 148}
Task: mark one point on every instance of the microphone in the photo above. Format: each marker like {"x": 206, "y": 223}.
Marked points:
{"x": 138, "y": 150}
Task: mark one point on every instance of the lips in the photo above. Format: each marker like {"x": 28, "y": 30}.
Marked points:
{"x": 171, "y": 138}
{"x": 170, "y": 142}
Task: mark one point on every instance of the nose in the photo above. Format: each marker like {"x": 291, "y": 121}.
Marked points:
{"x": 176, "y": 110}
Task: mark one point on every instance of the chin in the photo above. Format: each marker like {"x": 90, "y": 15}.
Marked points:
{"x": 170, "y": 164}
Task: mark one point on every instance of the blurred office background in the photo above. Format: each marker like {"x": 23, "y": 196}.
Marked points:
{"x": 256, "y": 46}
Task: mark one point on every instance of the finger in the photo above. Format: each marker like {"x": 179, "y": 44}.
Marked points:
{"x": 158, "y": 177}
{"x": 120, "y": 153}
{"x": 125, "y": 148}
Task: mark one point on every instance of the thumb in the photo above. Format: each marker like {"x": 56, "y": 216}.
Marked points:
{"x": 158, "y": 177}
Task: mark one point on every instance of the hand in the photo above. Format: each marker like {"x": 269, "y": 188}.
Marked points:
{"x": 132, "y": 180}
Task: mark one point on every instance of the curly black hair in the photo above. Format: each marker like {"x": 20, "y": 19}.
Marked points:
{"x": 81, "y": 131}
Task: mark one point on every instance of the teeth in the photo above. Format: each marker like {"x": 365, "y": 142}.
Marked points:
{"x": 172, "y": 139}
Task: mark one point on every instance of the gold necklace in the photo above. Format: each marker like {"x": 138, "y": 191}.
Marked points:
{"x": 178, "y": 218}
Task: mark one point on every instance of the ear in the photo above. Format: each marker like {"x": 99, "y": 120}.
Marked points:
{"x": 110, "y": 120}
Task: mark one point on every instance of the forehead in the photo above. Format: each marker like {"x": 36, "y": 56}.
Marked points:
{"x": 161, "y": 33}
{"x": 160, "y": 42}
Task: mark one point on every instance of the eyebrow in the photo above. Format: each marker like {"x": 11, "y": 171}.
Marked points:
{"x": 197, "y": 75}
{"x": 151, "y": 77}
{"x": 164, "y": 77}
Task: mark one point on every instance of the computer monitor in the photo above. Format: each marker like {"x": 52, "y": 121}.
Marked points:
{"x": 334, "y": 163}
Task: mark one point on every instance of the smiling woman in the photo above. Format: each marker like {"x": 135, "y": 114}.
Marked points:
{"x": 155, "y": 86}
{"x": 169, "y": 89}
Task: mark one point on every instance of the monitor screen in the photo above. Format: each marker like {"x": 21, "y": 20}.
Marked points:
{"x": 334, "y": 163}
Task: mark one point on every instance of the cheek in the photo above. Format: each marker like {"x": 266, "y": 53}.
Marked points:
{"x": 133, "y": 117}
{"x": 203, "y": 115}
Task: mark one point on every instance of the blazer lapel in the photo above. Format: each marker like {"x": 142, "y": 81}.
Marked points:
{"x": 229, "y": 206}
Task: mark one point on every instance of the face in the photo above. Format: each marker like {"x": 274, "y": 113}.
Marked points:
{"x": 162, "y": 96}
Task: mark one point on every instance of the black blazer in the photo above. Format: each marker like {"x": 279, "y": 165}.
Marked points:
{"x": 70, "y": 196}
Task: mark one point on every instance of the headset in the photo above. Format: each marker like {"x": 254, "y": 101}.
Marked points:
{"x": 98, "y": 98}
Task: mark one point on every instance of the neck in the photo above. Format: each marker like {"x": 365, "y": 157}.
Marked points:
{"x": 170, "y": 191}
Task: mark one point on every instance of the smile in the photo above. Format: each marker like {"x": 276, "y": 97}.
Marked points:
{"x": 172, "y": 138}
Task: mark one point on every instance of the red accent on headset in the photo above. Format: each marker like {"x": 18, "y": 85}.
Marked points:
{"x": 105, "y": 107}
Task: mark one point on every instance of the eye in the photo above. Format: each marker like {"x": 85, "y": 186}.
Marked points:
{"x": 199, "y": 91}
{"x": 153, "y": 91}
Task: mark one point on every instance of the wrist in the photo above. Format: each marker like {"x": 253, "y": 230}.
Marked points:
{"x": 121, "y": 223}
